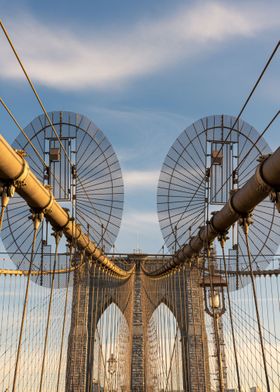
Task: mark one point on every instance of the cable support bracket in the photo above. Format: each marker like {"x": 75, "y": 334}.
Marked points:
{"x": 274, "y": 194}
{"x": 223, "y": 237}
{"x": 37, "y": 217}
{"x": 233, "y": 210}
{"x": 48, "y": 207}
{"x": 19, "y": 181}
{"x": 263, "y": 186}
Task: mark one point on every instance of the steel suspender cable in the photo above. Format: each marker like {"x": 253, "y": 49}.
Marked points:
{"x": 37, "y": 219}
{"x": 246, "y": 229}
{"x": 33, "y": 89}
{"x": 252, "y": 92}
{"x": 250, "y": 149}
{"x": 222, "y": 240}
{"x": 64, "y": 322}
{"x": 57, "y": 239}
{"x": 47, "y": 115}
{"x": 8, "y": 110}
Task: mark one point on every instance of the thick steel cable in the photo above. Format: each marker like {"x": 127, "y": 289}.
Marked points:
{"x": 42, "y": 105}
{"x": 45, "y": 165}
{"x": 259, "y": 137}
{"x": 251, "y": 93}
{"x": 246, "y": 228}
{"x": 251, "y": 148}
{"x": 8, "y": 110}
{"x": 24, "y": 308}
{"x": 247, "y": 101}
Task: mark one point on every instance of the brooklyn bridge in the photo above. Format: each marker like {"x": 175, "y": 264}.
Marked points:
{"x": 200, "y": 315}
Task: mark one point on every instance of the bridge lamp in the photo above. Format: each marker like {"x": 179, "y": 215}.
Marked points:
{"x": 214, "y": 295}
{"x": 214, "y": 300}
{"x": 112, "y": 368}
{"x": 112, "y": 364}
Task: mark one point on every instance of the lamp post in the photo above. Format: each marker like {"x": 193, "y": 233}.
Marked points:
{"x": 112, "y": 367}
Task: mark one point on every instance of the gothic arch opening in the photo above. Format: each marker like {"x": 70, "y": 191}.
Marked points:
{"x": 111, "y": 365}
{"x": 163, "y": 351}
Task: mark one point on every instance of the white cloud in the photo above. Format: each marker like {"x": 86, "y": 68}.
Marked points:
{"x": 58, "y": 57}
{"x": 140, "y": 179}
{"x": 139, "y": 227}
{"x": 135, "y": 219}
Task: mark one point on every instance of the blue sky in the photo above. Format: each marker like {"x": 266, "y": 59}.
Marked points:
{"x": 142, "y": 72}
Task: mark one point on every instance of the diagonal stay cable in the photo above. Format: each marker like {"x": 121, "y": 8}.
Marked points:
{"x": 41, "y": 104}
{"x": 33, "y": 89}
{"x": 251, "y": 93}
{"x": 8, "y": 110}
{"x": 250, "y": 149}
{"x": 243, "y": 108}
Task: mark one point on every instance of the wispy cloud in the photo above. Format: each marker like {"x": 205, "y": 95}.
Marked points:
{"x": 58, "y": 57}
{"x": 139, "y": 227}
{"x": 140, "y": 179}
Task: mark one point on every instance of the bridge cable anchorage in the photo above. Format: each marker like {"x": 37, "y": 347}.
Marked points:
{"x": 37, "y": 218}
{"x": 245, "y": 222}
{"x": 222, "y": 238}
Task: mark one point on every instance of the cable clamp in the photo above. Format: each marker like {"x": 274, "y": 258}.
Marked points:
{"x": 88, "y": 241}
{"x": 233, "y": 210}
{"x": 223, "y": 237}
{"x": 190, "y": 244}
{"x": 19, "y": 181}
{"x": 211, "y": 224}
{"x": 274, "y": 194}
{"x": 37, "y": 217}
{"x": 48, "y": 207}
{"x": 275, "y": 198}
{"x": 262, "y": 185}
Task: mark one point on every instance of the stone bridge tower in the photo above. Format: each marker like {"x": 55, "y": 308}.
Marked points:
{"x": 87, "y": 294}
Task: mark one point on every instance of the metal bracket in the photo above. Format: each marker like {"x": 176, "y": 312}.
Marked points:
{"x": 19, "y": 181}
{"x": 262, "y": 185}
{"x": 230, "y": 204}
{"x": 48, "y": 207}
{"x": 275, "y": 198}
